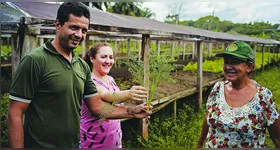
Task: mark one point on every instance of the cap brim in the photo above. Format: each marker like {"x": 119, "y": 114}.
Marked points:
{"x": 231, "y": 54}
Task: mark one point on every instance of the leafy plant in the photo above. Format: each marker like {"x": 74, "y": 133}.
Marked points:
{"x": 269, "y": 79}
{"x": 207, "y": 66}
{"x": 160, "y": 70}
{"x": 165, "y": 132}
{"x": 4, "y": 110}
{"x": 217, "y": 64}
{"x": 6, "y": 52}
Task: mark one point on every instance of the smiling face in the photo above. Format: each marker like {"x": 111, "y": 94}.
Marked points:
{"x": 103, "y": 61}
{"x": 236, "y": 70}
{"x": 72, "y": 32}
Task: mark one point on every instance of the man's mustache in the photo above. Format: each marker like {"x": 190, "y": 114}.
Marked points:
{"x": 75, "y": 38}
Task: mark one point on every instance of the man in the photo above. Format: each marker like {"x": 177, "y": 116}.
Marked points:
{"x": 48, "y": 87}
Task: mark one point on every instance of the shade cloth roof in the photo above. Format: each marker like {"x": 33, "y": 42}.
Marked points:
{"x": 121, "y": 23}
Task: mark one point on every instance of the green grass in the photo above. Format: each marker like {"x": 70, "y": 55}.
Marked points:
{"x": 269, "y": 79}
{"x": 165, "y": 132}
{"x": 217, "y": 64}
{"x": 4, "y": 110}
{"x": 6, "y": 52}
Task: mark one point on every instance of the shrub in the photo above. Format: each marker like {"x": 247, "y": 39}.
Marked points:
{"x": 4, "y": 110}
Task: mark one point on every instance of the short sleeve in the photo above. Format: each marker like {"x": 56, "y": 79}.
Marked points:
{"x": 90, "y": 88}
{"x": 212, "y": 96}
{"x": 271, "y": 112}
{"x": 115, "y": 86}
{"x": 25, "y": 80}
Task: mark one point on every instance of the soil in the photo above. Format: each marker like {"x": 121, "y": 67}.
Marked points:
{"x": 183, "y": 80}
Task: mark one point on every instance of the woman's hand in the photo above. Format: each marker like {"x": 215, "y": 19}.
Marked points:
{"x": 137, "y": 93}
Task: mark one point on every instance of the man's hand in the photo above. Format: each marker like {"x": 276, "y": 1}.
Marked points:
{"x": 140, "y": 111}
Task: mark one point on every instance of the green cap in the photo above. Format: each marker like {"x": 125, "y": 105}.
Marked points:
{"x": 240, "y": 50}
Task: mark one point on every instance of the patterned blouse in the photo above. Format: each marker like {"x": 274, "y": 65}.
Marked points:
{"x": 242, "y": 127}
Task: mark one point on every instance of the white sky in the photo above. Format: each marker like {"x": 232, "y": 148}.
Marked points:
{"x": 237, "y": 11}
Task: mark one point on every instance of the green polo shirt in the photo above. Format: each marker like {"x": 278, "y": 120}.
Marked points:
{"x": 54, "y": 87}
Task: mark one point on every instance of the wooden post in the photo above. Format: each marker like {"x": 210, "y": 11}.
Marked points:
{"x": 115, "y": 52}
{"x": 8, "y": 42}
{"x": 41, "y": 41}
{"x": 184, "y": 51}
{"x": 87, "y": 44}
{"x": 139, "y": 50}
{"x": 217, "y": 47}
{"x": 122, "y": 44}
{"x": 27, "y": 41}
{"x": 201, "y": 47}
{"x": 135, "y": 43}
{"x": 158, "y": 47}
{"x": 193, "y": 50}
{"x": 83, "y": 48}
{"x": 92, "y": 42}
{"x": 15, "y": 52}
{"x": 255, "y": 53}
{"x": 30, "y": 40}
{"x": 223, "y": 46}
{"x": 128, "y": 47}
{"x": 273, "y": 57}
{"x": 145, "y": 55}
{"x": 175, "y": 109}
{"x": 263, "y": 58}
{"x": 199, "y": 72}
{"x": 173, "y": 47}
{"x": 209, "y": 50}
{"x": 278, "y": 52}
{"x": 268, "y": 56}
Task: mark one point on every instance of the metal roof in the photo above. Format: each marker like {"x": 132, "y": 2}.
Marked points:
{"x": 105, "y": 21}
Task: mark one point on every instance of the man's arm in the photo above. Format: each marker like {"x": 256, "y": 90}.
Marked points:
{"x": 15, "y": 123}
{"x": 104, "y": 110}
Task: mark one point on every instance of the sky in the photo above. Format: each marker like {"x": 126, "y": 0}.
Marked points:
{"x": 237, "y": 11}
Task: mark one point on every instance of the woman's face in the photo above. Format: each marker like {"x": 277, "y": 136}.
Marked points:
{"x": 103, "y": 61}
{"x": 235, "y": 70}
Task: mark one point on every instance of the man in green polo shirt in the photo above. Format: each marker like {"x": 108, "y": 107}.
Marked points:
{"x": 50, "y": 83}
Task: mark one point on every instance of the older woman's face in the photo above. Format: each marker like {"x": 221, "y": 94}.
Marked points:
{"x": 235, "y": 69}
{"x": 104, "y": 60}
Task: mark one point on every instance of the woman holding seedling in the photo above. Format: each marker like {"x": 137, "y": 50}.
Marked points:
{"x": 239, "y": 109}
{"x": 95, "y": 131}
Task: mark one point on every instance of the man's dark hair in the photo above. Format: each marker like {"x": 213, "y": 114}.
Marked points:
{"x": 75, "y": 8}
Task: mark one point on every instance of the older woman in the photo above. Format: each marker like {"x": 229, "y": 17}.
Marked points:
{"x": 95, "y": 132}
{"x": 239, "y": 109}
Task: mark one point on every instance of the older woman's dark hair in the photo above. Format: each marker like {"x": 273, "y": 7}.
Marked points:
{"x": 252, "y": 71}
{"x": 77, "y": 9}
{"x": 93, "y": 51}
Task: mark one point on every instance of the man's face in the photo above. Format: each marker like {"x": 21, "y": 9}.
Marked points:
{"x": 72, "y": 32}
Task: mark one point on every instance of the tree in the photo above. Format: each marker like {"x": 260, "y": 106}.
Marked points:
{"x": 131, "y": 9}
{"x": 98, "y": 5}
{"x": 226, "y": 26}
{"x": 147, "y": 13}
{"x": 126, "y": 8}
{"x": 175, "y": 11}
{"x": 203, "y": 23}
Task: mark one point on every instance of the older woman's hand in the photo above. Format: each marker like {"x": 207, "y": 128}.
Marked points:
{"x": 137, "y": 93}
